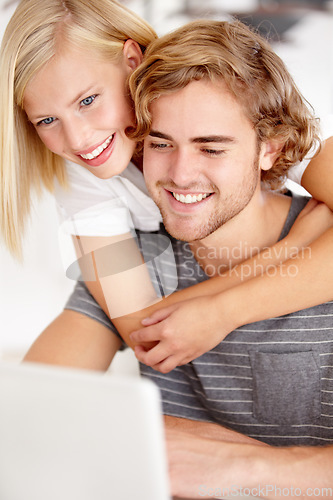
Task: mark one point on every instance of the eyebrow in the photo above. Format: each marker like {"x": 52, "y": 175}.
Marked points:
{"x": 159, "y": 135}
{"x": 213, "y": 138}
{"x": 222, "y": 139}
{"x": 82, "y": 93}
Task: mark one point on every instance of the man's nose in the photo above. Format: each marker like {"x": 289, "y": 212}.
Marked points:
{"x": 77, "y": 133}
{"x": 183, "y": 168}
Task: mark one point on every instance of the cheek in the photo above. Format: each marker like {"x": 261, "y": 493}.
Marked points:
{"x": 118, "y": 113}
{"x": 126, "y": 113}
{"x": 117, "y": 118}
{"x": 50, "y": 140}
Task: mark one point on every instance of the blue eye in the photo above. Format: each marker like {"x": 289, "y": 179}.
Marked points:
{"x": 88, "y": 100}
{"x": 46, "y": 121}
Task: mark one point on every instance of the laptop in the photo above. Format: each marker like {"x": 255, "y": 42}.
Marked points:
{"x": 70, "y": 434}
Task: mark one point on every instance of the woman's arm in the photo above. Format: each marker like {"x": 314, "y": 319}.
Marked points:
{"x": 76, "y": 341}
{"x": 183, "y": 333}
{"x": 318, "y": 176}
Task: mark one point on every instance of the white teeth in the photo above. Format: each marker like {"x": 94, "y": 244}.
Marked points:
{"x": 97, "y": 151}
{"x": 190, "y": 198}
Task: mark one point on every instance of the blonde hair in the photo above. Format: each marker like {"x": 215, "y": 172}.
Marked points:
{"x": 30, "y": 40}
{"x": 229, "y": 52}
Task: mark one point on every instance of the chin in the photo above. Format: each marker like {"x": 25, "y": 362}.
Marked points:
{"x": 181, "y": 233}
{"x": 108, "y": 171}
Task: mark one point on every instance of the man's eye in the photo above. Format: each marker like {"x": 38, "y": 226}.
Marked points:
{"x": 159, "y": 145}
{"x": 213, "y": 152}
{"x": 88, "y": 100}
{"x": 46, "y": 121}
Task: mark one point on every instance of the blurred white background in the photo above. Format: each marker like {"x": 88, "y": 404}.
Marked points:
{"x": 33, "y": 293}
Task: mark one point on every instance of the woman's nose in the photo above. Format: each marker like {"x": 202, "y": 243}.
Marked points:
{"x": 77, "y": 133}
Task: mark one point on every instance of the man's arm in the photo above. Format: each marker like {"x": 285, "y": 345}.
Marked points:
{"x": 203, "y": 465}
{"x": 77, "y": 341}
{"x": 208, "y": 430}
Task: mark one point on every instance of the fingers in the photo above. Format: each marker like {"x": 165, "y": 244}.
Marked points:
{"x": 156, "y": 359}
{"x": 147, "y": 334}
{"x": 151, "y": 357}
{"x": 167, "y": 365}
{"x": 157, "y": 316}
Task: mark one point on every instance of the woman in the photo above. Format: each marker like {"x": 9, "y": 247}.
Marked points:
{"x": 95, "y": 46}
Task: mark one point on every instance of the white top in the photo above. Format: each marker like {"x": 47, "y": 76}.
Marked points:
{"x": 105, "y": 207}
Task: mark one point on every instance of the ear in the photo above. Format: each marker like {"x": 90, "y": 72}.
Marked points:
{"x": 268, "y": 153}
{"x": 132, "y": 54}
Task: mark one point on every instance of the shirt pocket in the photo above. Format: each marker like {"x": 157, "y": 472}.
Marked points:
{"x": 286, "y": 387}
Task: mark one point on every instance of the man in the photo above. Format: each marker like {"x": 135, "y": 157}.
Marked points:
{"x": 222, "y": 112}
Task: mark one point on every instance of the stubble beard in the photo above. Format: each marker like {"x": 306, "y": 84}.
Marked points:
{"x": 181, "y": 227}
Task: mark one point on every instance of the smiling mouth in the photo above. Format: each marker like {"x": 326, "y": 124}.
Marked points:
{"x": 190, "y": 198}
{"x": 98, "y": 151}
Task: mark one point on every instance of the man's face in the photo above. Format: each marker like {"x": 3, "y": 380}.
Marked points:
{"x": 201, "y": 159}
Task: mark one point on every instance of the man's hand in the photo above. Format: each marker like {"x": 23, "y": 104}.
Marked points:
{"x": 201, "y": 467}
{"x": 193, "y": 454}
{"x": 203, "y": 463}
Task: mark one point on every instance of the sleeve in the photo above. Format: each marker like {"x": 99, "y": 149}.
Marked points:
{"x": 109, "y": 218}
{"x": 83, "y": 302}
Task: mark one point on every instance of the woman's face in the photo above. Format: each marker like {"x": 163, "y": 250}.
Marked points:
{"x": 79, "y": 106}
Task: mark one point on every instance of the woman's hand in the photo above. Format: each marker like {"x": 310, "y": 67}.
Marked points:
{"x": 184, "y": 331}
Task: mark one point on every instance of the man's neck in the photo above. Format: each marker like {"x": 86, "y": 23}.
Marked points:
{"x": 258, "y": 226}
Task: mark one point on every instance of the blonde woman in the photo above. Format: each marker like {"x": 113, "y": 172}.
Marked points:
{"x": 64, "y": 96}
